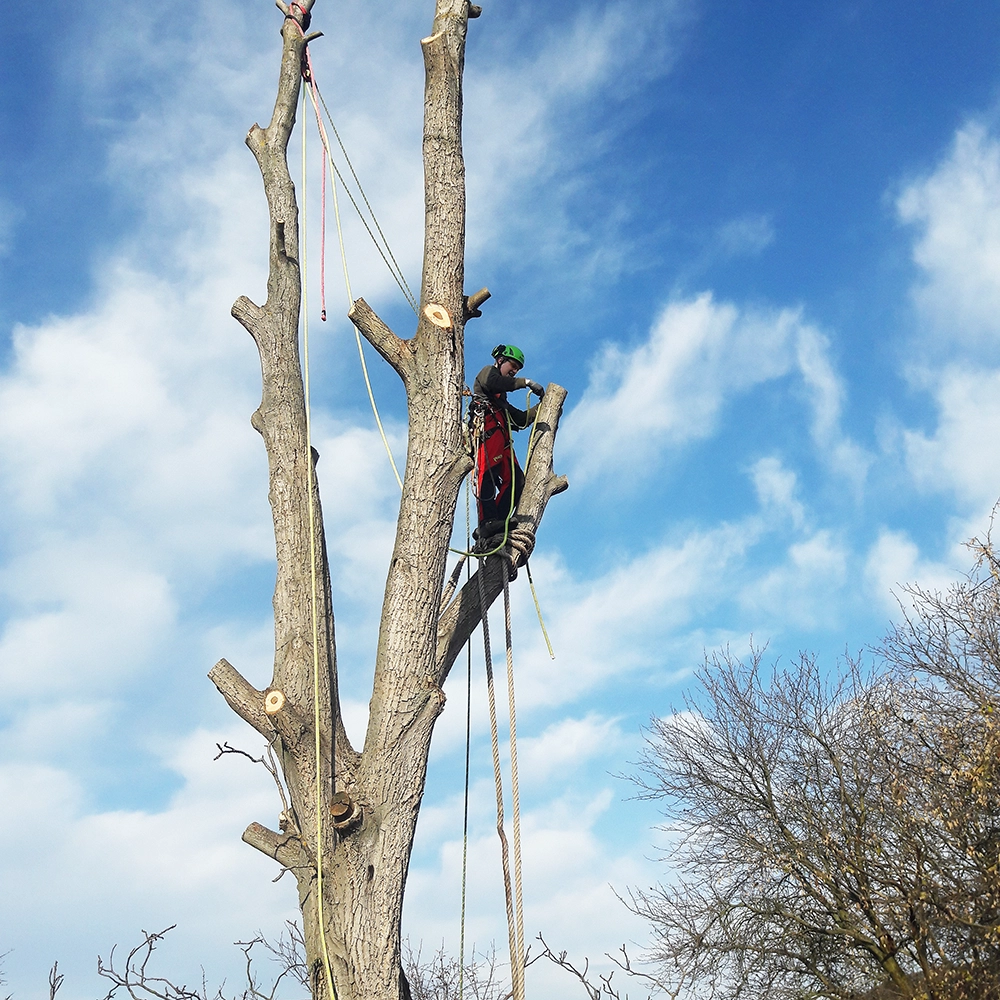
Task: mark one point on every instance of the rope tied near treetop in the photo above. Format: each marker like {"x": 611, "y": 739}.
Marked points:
{"x": 306, "y": 16}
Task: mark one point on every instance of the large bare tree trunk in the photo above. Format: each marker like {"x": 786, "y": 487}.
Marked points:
{"x": 366, "y": 803}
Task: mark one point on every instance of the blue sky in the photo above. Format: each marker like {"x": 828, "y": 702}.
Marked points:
{"x": 759, "y": 243}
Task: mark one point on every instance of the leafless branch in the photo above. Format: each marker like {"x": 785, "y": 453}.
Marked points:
{"x": 55, "y": 980}
{"x": 135, "y": 980}
{"x": 289, "y": 952}
{"x": 442, "y": 977}
{"x": 604, "y": 986}
{"x": 836, "y": 835}
{"x": 270, "y": 765}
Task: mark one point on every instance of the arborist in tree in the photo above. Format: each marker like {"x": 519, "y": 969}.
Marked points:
{"x": 499, "y": 479}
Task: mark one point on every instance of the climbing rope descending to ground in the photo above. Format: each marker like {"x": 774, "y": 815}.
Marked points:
{"x": 468, "y": 759}
{"x": 514, "y": 788}
{"x": 328, "y": 971}
{"x": 517, "y": 984}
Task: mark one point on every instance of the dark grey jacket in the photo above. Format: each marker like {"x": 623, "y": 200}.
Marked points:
{"x": 494, "y": 386}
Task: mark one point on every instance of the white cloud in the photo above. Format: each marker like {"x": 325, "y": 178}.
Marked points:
{"x": 776, "y": 488}
{"x": 567, "y": 744}
{"x": 635, "y": 618}
{"x": 746, "y": 234}
{"x": 957, "y": 456}
{"x": 957, "y": 211}
{"x": 803, "y": 591}
{"x": 671, "y": 389}
{"x": 894, "y": 562}
{"x": 826, "y": 392}
{"x": 525, "y": 105}
{"x": 84, "y": 620}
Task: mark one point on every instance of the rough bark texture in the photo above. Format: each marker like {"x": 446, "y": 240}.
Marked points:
{"x": 365, "y": 859}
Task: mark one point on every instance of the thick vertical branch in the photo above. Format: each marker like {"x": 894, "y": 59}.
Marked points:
{"x": 444, "y": 166}
{"x": 281, "y": 421}
{"x": 435, "y": 460}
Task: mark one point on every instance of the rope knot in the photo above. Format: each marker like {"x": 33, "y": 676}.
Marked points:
{"x": 304, "y": 16}
{"x": 517, "y": 551}
{"x": 520, "y": 544}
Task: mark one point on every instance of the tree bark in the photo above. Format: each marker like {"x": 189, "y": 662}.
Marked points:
{"x": 366, "y": 803}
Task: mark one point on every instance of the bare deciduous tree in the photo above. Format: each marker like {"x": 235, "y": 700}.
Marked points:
{"x": 442, "y": 977}
{"x": 839, "y": 838}
{"x": 352, "y": 813}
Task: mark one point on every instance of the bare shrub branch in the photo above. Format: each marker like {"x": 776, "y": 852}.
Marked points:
{"x": 134, "y": 978}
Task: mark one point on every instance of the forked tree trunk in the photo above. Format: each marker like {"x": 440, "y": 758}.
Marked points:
{"x": 367, "y": 802}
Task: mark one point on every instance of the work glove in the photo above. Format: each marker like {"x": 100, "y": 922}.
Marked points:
{"x": 535, "y": 388}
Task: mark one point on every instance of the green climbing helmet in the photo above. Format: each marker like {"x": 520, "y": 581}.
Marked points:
{"x": 510, "y": 353}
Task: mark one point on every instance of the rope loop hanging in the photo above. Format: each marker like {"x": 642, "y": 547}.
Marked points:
{"x": 512, "y": 899}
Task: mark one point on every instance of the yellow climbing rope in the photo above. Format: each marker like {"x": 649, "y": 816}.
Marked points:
{"x": 347, "y": 280}
{"x": 327, "y": 970}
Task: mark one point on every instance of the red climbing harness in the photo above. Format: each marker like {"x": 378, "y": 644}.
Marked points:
{"x": 493, "y": 457}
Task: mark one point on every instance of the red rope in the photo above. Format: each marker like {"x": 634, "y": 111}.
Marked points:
{"x": 307, "y": 75}
{"x": 322, "y": 247}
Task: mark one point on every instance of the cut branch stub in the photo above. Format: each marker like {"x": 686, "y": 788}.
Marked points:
{"x": 474, "y": 301}
{"x": 344, "y": 810}
{"x": 274, "y": 701}
{"x": 438, "y": 315}
{"x": 243, "y": 698}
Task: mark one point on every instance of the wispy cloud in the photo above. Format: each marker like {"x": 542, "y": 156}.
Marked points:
{"x": 956, "y": 211}
{"x": 894, "y": 562}
{"x": 777, "y": 489}
{"x": 670, "y": 390}
{"x": 746, "y": 234}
